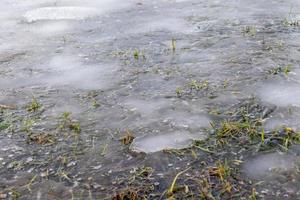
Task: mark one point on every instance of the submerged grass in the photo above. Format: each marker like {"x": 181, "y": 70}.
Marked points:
{"x": 67, "y": 123}
{"x": 288, "y": 21}
{"x": 127, "y": 194}
{"x": 127, "y": 138}
{"x": 41, "y": 138}
{"x": 211, "y": 177}
{"x": 194, "y": 87}
{"x": 4, "y": 125}
{"x": 171, "y": 190}
{"x": 33, "y": 106}
{"x": 173, "y": 45}
{"x": 280, "y": 70}
{"x": 249, "y": 30}
{"x": 254, "y": 133}
{"x": 222, "y": 170}
{"x": 136, "y": 54}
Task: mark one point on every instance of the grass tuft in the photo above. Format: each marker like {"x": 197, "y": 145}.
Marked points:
{"x": 33, "y": 106}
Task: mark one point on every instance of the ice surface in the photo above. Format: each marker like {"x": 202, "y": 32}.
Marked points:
{"x": 186, "y": 119}
{"x": 159, "y": 110}
{"x": 279, "y": 121}
{"x": 72, "y": 54}
{"x": 159, "y": 142}
{"x": 49, "y": 28}
{"x": 146, "y": 107}
{"x": 267, "y": 166}
{"x": 188, "y": 125}
{"x": 281, "y": 93}
{"x": 59, "y": 13}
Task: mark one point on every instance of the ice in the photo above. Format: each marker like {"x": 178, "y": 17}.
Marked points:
{"x": 7, "y": 145}
{"x": 146, "y": 107}
{"x": 49, "y": 28}
{"x": 159, "y": 110}
{"x": 187, "y": 125}
{"x": 267, "y": 166}
{"x": 88, "y": 77}
{"x": 161, "y": 23}
{"x": 63, "y": 63}
{"x": 281, "y": 93}
{"x": 60, "y": 13}
{"x": 159, "y": 142}
{"x": 188, "y": 120}
{"x": 70, "y": 10}
{"x": 73, "y": 71}
{"x": 67, "y": 70}
{"x": 278, "y": 122}
{"x": 78, "y": 56}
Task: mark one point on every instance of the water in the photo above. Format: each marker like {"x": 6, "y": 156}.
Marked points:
{"x": 80, "y": 57}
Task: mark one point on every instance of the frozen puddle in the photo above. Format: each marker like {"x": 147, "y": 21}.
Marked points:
{"x": 66, "y": 70}
{"x": 277, "y": 122}
{"x": 60, "y": 13}
{"x": 188, "y": 120}
{"x": 171, "y": 140}
{"x": 159, "y": 110}
{"x": 153, "y": 107}
{"x": 281, "y": 94}
{"x": 50, "y": 28}
{"x": 269, "y": 166}
{"x": 96, "y": 77}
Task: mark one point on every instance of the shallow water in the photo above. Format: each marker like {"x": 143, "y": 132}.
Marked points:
{"x": 112, "y": 64}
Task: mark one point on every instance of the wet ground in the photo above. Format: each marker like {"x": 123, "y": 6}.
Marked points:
{"x": 140, "y": 99}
